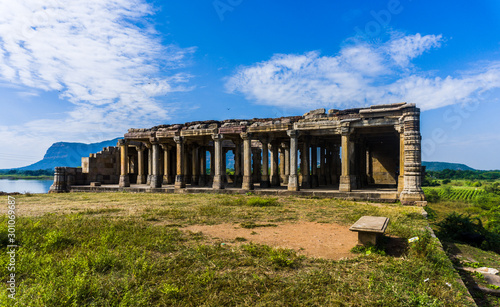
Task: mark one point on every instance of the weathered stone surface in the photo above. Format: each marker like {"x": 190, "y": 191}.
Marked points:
{"x": 315, "y": 112}
{"x": 371, "y": 224}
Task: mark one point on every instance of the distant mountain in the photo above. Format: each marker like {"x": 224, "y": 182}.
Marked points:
{"x": 439, "y": 166}
{"x": 68, "y": 154}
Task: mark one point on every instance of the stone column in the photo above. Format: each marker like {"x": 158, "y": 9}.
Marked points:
{"x": 256, "y": 164}
{"x": 237, "y": 163}
{"x": 306, "y": 178}
{"x": 179, "y": 178}
{"x": 203, "y": 167}
{"x": 345, "y": 178}
{"x": 59, "y": 185}
{"x": 322, "y": 166}
{"x": 124, "y": 177}
{"x": 156, "y": 178}
{"x": 224, "y": 164}
{"x": 212, "y": 162}
{"x": 401, "y": 177}
{"x": 275, "y": 178}
{"x": 141, "y": 177}
{"x": 314, "y": 167}
{"x": 412, "y": 190}
{"x": 282, "y": 163}
{"x": 247, "y": 161}
{"x": 150, "y": 163}
{"x": 218, "y": 182}
{"x": 167, "y": 178}
{"x": 286, "y": 148}
{"x": 195, "y": 167}
{"x": 187, "y": 162}
{"x": 264, "y": 179}
{"x": 293, "y": 181}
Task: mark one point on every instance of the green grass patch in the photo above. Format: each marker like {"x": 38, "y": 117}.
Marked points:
{"x": 110, "y": 259}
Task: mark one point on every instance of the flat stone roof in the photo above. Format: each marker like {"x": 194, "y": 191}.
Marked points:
{"x": 311, "y": 116}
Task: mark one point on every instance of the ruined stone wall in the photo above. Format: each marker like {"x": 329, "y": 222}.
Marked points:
{"x": 384, "y": 166}
{"x": 103, "y": 167}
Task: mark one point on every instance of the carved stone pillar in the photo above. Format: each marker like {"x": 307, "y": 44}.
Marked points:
{"x": 264, "y": 179}
{"x": 286, "y": 148}
{"x": 150, "y": 163}
{"x": 401, "y": 177}
{"x": 212, "y": 163}
{"x": 167, "y": 171}
{"x": 218, "y": 182}
{"x": 306, "y": 178}
{"x": 346, "y": 179}
{"x": 156, "y": 178}
{"x": 124, "y": 177}
{"x": 322, "y": 161}
{"x": 412, "y": 190}
{"x": 59, "y": 185}
{"x": 256, "y": 164}
{"x": 195, "y": 167}
{"x": 314, "y": 167}
{"x": 224, "y": 164}
{"x": 238, "y": 178}
{"x": 141, "y": 177}
{"x": 275, "y": 178}
{"x": 293, "y": 181}
{"x": 282, "y": 163}
{"x": 202, "y": 181}
{"x": 179, "y": 177}
{"x": 247, "y": 161}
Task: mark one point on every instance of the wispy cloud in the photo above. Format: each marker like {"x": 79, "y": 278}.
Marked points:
{"x": 102, "y": 56}
{"x": 360, "y": 74}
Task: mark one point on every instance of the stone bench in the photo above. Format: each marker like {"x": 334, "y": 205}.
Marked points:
{"x": 369, "y": 229}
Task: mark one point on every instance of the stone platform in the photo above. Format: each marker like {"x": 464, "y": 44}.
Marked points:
{"x": 380, "y": 195}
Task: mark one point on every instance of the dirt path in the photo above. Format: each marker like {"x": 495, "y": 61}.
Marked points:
{"x": 330, "y": 241}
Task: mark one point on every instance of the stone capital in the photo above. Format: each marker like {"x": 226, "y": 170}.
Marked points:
{"x": 140, "y": 147}
{"x": 122, "y": 142}
{"x": 246, "y": 136}
{"x": 165, "y": 146}
{"x": 292, "y": 133}
{"x": 153, "y": 140}
{"x": 345, "y": 130}
{"x": 178, "y": 139}
{"x": 217, "y": 137}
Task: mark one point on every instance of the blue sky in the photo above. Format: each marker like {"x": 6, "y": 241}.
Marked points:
{"x": 87, "y": 71}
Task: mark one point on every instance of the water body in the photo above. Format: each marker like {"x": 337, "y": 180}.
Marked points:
{"x": 25, "y": 185}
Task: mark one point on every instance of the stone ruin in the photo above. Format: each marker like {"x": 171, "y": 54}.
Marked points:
{"x": 342, "y": 151}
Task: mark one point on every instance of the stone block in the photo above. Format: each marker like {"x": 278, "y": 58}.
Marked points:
{"x": 369, "y": 229}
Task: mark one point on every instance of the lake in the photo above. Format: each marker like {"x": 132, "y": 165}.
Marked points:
{"x": 25, "y": 185}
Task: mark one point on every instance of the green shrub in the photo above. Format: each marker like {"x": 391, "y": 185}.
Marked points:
{"x": 432, "y": 196}
{"x": 469, "y": 230}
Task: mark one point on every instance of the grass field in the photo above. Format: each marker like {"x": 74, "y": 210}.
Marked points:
{"x": 485, "y": 208}
{"x": 124, "y": 249}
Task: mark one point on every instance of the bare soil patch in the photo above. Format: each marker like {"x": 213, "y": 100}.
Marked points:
{"x": 329, "y": 241}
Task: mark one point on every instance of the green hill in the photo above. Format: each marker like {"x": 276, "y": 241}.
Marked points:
{"x": 439, "y": 166}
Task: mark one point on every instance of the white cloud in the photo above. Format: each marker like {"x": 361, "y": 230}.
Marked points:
{"x": 404, "y": 49}
{"x": 360, "y": 75}
{"x": 102, "y": 57}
